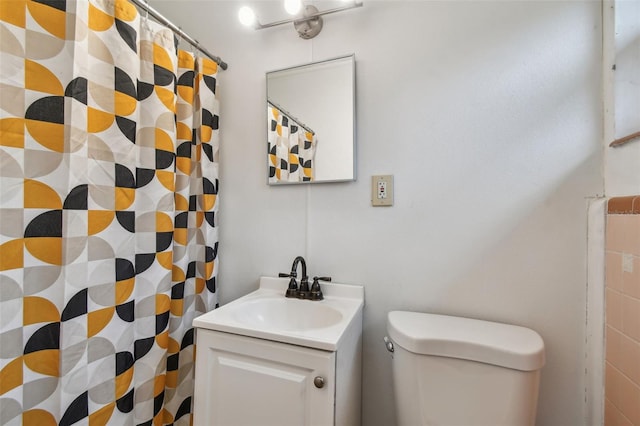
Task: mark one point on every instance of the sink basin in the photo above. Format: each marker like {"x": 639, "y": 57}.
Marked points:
{"x": 267, "y": 314}
{"x": 286, "y": 314}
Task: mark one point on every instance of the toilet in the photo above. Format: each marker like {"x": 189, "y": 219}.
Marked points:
{"x": 453, "y": 371}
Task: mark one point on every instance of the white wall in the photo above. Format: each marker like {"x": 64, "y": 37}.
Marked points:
{"x": 489, "y": 116}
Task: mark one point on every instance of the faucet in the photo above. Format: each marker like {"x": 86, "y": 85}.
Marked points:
{"x": 315, "y": 293}
{"x": 293, "y": 290}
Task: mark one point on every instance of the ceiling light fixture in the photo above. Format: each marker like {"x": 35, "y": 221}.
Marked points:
{"x": 308, "y": 22}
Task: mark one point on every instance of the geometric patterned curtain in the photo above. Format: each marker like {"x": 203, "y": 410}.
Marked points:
{"x": 291, "y": 148}
{"x": 108, "y": 204}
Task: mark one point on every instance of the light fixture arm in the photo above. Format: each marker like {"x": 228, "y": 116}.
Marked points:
{"x": 305, "y": 17}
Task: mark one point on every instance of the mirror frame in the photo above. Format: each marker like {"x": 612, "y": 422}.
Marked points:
{"x": 353, "y": 115}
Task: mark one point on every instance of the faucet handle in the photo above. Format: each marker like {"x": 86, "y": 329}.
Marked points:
{"x": 292, "y": 290}
{"x": 316, "y": 291}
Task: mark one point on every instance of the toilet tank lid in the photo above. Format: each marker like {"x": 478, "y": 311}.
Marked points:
{"x": 494, "y": 343}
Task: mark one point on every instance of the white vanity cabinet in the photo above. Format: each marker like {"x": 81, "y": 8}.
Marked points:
{"x": 252, "y": 381}
{"x": 266, "y": 375}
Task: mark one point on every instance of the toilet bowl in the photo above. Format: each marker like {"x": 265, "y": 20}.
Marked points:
{"x": 454, "y": 371}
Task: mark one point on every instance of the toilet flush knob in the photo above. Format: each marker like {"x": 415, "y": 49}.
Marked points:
{"x": 319, "y": 382}
{"x": 389, "y": 344}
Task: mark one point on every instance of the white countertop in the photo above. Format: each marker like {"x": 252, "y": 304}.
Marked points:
{"x": 347, "y": 300}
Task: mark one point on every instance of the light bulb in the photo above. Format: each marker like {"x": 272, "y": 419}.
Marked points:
{"x": 292, "y": 6}
{"x": 246, "y": 16}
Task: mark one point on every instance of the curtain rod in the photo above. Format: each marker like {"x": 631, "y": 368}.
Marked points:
{"x": 285, "y": 112}
{"x": 147, "y": 8}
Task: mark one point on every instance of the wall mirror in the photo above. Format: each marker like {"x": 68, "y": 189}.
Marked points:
{"x": 311, "y": 122}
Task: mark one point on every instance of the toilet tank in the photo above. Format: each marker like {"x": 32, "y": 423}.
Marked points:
{"x": 460, "y": 371}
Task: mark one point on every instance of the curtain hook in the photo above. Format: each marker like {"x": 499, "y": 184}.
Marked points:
{"x": 180, "y": 38}
{"x": 194, "y": 48}
{"x": 145, "y": 18}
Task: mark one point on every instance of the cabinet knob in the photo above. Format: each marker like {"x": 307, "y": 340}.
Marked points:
{"x": 319, "y": 382}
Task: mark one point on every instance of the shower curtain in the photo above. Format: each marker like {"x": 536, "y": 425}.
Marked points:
{"x": 108, "y": 203}
{"x": 291, "y": 148}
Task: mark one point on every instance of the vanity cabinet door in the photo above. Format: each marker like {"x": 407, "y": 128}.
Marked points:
{"x": 244, "y": 381}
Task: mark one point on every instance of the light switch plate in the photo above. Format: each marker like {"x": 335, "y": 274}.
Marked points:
{"x": 382, "y": 190}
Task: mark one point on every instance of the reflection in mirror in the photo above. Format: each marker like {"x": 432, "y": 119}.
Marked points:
{"x": 310, "y": 122}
